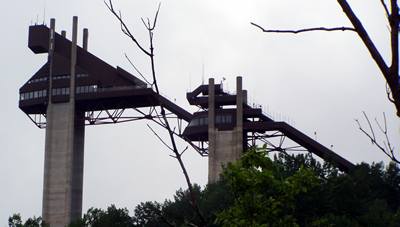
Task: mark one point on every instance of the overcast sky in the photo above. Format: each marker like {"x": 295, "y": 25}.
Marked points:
{"x": 321, "y": 81}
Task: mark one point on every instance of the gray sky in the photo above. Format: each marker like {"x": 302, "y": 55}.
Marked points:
{"x": 321, "y": 81}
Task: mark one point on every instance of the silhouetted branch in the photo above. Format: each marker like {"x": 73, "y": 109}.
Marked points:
{"x": 124, "y": 28}
{"x": 162, "y": 118}
{"x": 385, "y": 147}
{"x": 388, "y": 92}
{"x": 162, "y": 141}
{"x": 385, "y": 8}
{"x": 136, "y": 69}
{"x": 304, "y": 30}
{"x": 391, "y": 74}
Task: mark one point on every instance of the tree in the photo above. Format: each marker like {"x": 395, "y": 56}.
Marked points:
{"x": 111, "y": 217}
{"x": 162, "y": 120}
{"x": 390, "y": 72}
{"x": 258, "y": 191}
{"x": 16, "y": 221}
{"x": 284, "y": 193}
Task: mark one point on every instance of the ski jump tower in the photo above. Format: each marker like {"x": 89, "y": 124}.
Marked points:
{"x": 74, "y": 88}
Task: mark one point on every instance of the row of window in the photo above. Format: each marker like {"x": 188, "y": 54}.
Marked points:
{"x": 61, "y": 77}
{"x": 63, "y": 91}
{"x": 33, "y": 95}
{"x": 37, "y": 80}
{"x": 219, "y": 119}
{"x": 223, "y": 119}
{"x": 86, "y": 89}
{"x": 80, "y": 75}
{"x": 79, "y": 90}
{"x": 60, "y": 91}
{"x": 199, "y": 121}
{"x": 56, "y": 77}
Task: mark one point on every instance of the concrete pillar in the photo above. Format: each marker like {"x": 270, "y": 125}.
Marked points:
{"x": 223, "y": 146}
{"x": 239, "y": 118}
{"x": 85, "y": 39}
{"x": 212, "y": 172}
{"x": 63, "y": 171}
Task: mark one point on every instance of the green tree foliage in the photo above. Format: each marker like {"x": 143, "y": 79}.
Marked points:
{"x": 298, "y": 191}
{"x": 16, "y": 221}
{"x": 259, "y": 191}
{"x": 111, "y": 217}
{"x": 264, "y": 195}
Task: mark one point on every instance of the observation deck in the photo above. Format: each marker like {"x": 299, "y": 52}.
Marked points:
{"x": 98, "y": 85}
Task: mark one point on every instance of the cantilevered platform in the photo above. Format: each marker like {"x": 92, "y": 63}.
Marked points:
{"x": 98, "y": 86}
{"x": 256, "y": 126}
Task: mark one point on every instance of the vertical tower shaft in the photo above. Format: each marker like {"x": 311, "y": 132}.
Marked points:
{"x": 212, "y": 162}
{"x": 224, "y": 146}
{"x": 64, "y": 149}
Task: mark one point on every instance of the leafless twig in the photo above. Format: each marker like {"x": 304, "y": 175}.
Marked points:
{"x": 304, "y": 30}
{"x": 137, "y": 70}
{"x": 162, "y": 118}
{"x": 388, "y": 92}
{"x": 390, "y": 72}
{"x": 385, "y": 146}
{"x": 162, "y": 141}
{"x": 124, "y": 27}
{"x": 385, "y": 8}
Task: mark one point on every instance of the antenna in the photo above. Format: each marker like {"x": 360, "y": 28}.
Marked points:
{"x": 44, "y": 12}
{"x": 202, "y": 72}
{"x": 190, "y": 82}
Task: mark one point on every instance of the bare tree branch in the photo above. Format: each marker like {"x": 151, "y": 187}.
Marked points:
{"x": 364, "y": 36}
{"x": 388, "y": 92}
{"x": 156, "y": 16}
{"x": 393, "y": 79}
{"x": 124, "y": 28}
{"x": 162, "y": 141}
{"x": 162, "y": 119}
{"x": 385, "y": 8}
{"x": 386, "y": 148}
{"x": 137, "y": 70}
{"x": 390, "y": 74}
{"x": 370, "y": 126}
{"x": 304, "y": 30}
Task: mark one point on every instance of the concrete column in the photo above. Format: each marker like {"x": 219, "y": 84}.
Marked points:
{"x": 239, "y": 118}
{"x": 50, "y": 56}
{"x": 63, "y": 172}
{"x": 212, "y": 175}
{"x": 223, "y": 146}
{"x": 48, "y": 164}
{"x": 85, "y": 39}
{"x": 73, "y": 58}
{"x": 78, "y": 132}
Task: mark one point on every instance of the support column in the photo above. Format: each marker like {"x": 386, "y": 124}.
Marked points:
{"x": 239, "y": 118}
{"x": 212, "y": 165}
{"x": 224, "y": 146}
{"x": 63, "y": 170}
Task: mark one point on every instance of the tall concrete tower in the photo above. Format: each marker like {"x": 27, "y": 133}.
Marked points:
{"x": 64, "y": 146}
{"x": 224, "y": 146}
{"x": 72, "y": 89}
{"x": 220, "y": 124}
{"x": 229, "y": 125}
